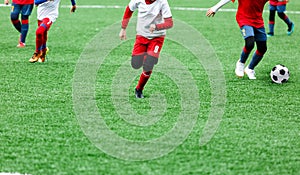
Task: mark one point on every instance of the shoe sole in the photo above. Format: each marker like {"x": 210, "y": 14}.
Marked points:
{"x": 239, "y": 76}
{"x": 33, "y": 61}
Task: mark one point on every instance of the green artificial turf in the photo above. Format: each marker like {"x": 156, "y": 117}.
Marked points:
{"x": 226, "y": 125}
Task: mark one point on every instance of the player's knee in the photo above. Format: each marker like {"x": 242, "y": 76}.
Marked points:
{"x": 281, "y": 15}
{"x": 14, "y": 16}
{"x": 149, "y": 63}
{"x": 262, "y": 47}
{"x": 24, "y": 17}
{"x": 137, "y": 61}
{"x": 249, "y": 43}
{"x": 40, "y": 31}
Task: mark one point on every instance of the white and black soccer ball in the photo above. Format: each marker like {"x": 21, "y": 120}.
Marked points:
{"x": 280, "y": 74}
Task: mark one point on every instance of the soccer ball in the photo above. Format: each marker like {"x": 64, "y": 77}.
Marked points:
{"x": 280, "y": 74}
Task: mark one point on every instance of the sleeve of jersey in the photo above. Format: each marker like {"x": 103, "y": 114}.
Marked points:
{"x": 166, "y": 11}
{"x": 220, "y": 4}
{"x": 127, "y": 15}
{"x": 166, "y": 25}
{"x": 167, "y": 15}
{"x": 38, "y": 2}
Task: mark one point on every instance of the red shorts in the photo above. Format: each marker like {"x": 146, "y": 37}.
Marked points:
{"x": 144, "y": 45}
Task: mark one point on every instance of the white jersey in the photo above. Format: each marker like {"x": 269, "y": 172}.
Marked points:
{"x": 150, "y": 14}
{"x": 49, "y": 10}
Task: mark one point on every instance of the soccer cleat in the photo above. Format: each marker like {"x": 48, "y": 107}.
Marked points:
{"x": 250, "y": 73}
{"x": 270, "y": 34}
{"x": 139, "y": 93}
{"x": 291, "y": 29}
{"x": 239, "y": 69}
{"x": 35, "y": 57}
{"x": 42, "y": 57}
{"x": 21, "y": 45}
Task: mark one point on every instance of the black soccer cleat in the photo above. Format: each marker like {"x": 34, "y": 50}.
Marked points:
{"x": 139, "y": 93}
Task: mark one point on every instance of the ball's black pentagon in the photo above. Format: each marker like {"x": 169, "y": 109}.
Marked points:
{"x": 275, "y": 78}
{"x": 274, "y": 68}
{"x": 282, "y": 71}
{"x": 284, "y": 80}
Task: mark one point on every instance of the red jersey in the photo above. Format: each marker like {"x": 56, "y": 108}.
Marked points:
{"x": 23, "y": 2}
{"x": 278, "y": 2}
{"x": 250, "y": 13}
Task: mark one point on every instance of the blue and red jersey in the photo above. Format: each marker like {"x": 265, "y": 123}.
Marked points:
{"x": 250, "y": 13}
{"x": 23, "y": 2}
{"x": 278, "y": 2}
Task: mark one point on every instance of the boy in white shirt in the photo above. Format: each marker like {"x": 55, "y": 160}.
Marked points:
{"x": 154, "y": 17}
{"x": 47, "y": 13}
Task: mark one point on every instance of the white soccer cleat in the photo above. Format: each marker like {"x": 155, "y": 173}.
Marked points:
{"x": 250, "y": 73}
{"x": 239, "y": 69}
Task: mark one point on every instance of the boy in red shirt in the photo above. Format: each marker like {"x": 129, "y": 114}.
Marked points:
{"x": 23, "y": 7}
{"x": 250, "y": 20}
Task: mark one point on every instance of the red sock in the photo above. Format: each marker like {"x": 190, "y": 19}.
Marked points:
{"x": 41, "y": 34}
{"x": 39, "y": 38}
{"x": 143, "y": 80}
{"x": 45, "y": 39}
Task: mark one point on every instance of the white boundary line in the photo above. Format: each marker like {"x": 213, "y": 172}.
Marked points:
{"x": 173, "y": 8}
{"x": 2, "y": 173}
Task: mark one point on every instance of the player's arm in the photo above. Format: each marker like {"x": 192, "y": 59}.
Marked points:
{"x": 168, "y": 20}
{"x": 6, "y": 2}
{"x": 166, "y": 25}
{"x": 73, "y": 8}
{"x": 126, "y": 17}
{"x": 38, "y": 2}
{"x": 212, "y": 11}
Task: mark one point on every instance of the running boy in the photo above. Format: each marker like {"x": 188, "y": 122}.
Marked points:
{"x": 280, "y": 7}
{"x": 154, "y": 17}
{"x": 250, "y": 20}
{"x": 23, "y": 7}
{"x": 47, "y": 13}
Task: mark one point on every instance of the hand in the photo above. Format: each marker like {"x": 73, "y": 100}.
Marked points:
{"x": 152, "y": 28}
{"x": 210, "y": 13}
{"x": 122, "y": 34}
{"x": 6, "y": 2}
{"x": 73, "y": 8}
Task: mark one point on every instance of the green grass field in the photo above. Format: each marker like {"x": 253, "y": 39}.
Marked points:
{"x": 216, "y": 123}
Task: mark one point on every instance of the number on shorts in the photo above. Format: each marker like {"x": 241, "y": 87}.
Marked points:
{"x": 156, "y": 49}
